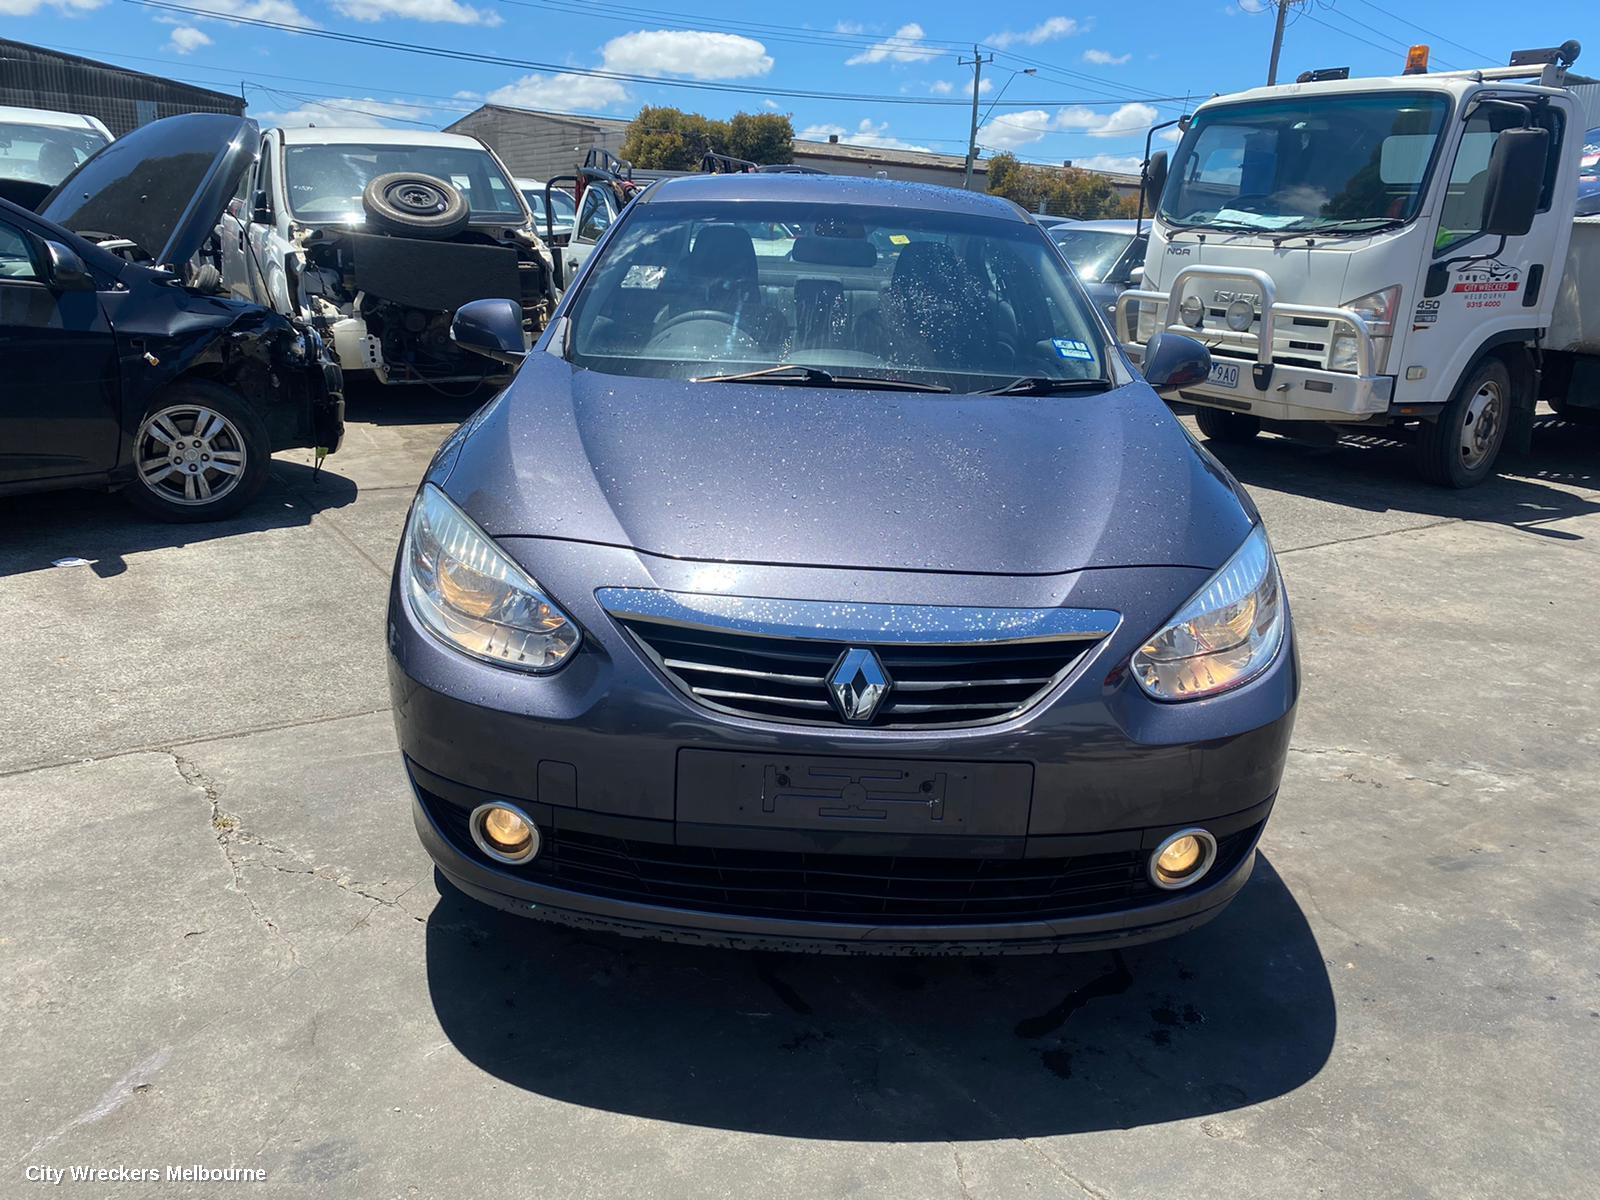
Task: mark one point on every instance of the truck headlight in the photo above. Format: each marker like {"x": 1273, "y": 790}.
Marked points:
{"x": 1378, "y": 310}
{"x": 469, "y": 594}
{"x": 1226, "y": 635}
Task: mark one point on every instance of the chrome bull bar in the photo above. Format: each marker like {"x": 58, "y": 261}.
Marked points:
{"x": 1271, "y": 310}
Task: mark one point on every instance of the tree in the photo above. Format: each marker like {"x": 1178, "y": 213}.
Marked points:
{"x": 661, "y": 138}
{"x": 1063, "y": 191}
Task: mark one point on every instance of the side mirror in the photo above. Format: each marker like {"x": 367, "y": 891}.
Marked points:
{"x": 492, "y": 328}
{"x": 1515, "y": 181}
{"x": 1173, "y": 362}
{"x": 1135, "y": 276}
{"x": 1155, "y": 179}
{"x": 65, "y": 270}
{"x": 260, "y": 208}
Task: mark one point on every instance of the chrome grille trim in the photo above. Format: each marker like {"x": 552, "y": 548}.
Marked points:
{"x": 771, "y": 659}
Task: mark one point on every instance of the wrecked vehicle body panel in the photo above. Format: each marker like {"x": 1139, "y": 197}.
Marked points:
{"x": 131, "y": 369}
{"x": 329, "y": 248}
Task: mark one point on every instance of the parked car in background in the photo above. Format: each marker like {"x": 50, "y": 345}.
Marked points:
{"x": 125, "y": 366}
{"x": 1589, "y": 175}
{"x": 1107, "y": 255}
{"x": 39, "y": 148}
{"x": 377, "y": 236}
{"x": 846, "y": 600}
{"x": 559, "y": 225}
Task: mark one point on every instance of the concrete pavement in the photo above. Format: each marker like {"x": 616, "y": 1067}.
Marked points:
{"x": 221, "y": 943}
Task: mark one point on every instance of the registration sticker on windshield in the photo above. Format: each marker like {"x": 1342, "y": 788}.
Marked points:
{"x": 899, "y": 239}
{"x": 1067, "y": 348}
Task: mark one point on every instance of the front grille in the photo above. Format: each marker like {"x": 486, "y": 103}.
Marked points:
{"x": 844, "y": 888}
{"x": 1296, "y": 341}
{"x": 786, "y": 679}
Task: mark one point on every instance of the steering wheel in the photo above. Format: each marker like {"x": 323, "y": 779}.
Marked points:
{"x": 694, "y": 314}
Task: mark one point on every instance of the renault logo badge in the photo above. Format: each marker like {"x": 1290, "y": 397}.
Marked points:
{"x": 858, "y": 684}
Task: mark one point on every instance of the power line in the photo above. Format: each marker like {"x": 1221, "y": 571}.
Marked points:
{"x": 588, "y": 72}
{"x": 1478, "y": 54}
{"x": 1401, "y": 42}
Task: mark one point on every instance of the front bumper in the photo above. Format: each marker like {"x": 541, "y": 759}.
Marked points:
{"x": 596, "y": 753}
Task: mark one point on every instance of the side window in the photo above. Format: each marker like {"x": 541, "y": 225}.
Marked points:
{"x": 1461, "y": 215}
{"x": 594, "y": 215}
{"x": 16, "y": 256}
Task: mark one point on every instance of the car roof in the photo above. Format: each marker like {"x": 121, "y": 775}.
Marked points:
{"x": 830, "y": 189}
{"x": 1114, "y": 225}
{"x": 51, "y": 118}
{"x": 365, "y": 136}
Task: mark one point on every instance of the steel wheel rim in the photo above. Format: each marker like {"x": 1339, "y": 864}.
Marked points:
{"x": 1481, "y": 425}
{"x": 189, "y": 454}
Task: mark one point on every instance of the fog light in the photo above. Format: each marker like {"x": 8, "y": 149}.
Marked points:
{"x": 504, "y": 833}
{"x": 1241, "y": 315}
{"x": 1182, "y": 859}
{"x": 1192, "y": 311}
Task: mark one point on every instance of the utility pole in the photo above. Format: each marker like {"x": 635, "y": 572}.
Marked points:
{"x": 976, "y": 64}
{"x": 1277, "y": 38}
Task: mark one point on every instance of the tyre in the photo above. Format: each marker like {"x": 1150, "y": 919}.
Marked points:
{"x": 1229, "y": 428}
{"x": 415, "y": 205}
{"x": 1459, "y": 448}
{"x": 201, "y": 454}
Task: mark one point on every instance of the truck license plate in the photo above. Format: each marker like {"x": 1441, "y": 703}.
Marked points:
{"x": 1225, "y": 374}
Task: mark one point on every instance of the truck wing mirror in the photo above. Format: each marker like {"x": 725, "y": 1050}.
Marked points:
{"x": 492, "y": 328}
{"x": 1155, "y": 179}
{"x": 1515, "y": 181}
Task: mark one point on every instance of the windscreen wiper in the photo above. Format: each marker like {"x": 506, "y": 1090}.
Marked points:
{"x": 1352, "y": 225}
{"x": 1045, "y": 385}
{"x": 804, "y": 376}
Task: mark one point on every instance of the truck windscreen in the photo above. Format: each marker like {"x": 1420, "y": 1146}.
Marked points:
{"x": 1314, "y": 163}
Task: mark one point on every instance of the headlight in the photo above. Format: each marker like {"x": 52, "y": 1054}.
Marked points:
{"x": 469, "y": 593}
{"x": 1226, "y": 634}
{"x": 1378, "y": 310}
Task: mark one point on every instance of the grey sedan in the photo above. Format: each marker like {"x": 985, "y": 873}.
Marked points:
{"x": 1107, "y": 255}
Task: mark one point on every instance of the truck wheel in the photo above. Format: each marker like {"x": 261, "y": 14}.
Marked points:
{"x": 1229, "y": 428}
{"x": 201, "y": 454}
{"x": 1459, "y": 449}
{"x": 415, "y": 205}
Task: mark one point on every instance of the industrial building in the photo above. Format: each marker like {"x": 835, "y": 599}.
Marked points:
{"x": 35, "y": 77}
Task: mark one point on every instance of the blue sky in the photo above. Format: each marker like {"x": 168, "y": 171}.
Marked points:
{"x": 891, "y": 74}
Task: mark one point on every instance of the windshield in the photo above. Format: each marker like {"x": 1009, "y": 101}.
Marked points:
{"x": 1306, "y": 164}
{"x": 43, "y": 153}
{"x": 1092, "y": 252}
{"x": 945, "y": 300}
{"x": 325, "y": 182}
{"x": 562, "y": 201}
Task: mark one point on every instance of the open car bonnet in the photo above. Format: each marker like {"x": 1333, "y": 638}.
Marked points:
{"x": 162, "y": 187}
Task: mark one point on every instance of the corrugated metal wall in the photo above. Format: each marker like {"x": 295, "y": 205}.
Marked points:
{"x": 34, "y": 77}
{"x": 539, "y": 145}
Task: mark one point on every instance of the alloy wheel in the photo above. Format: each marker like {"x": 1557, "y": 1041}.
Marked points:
{"x": 189, "y": 454}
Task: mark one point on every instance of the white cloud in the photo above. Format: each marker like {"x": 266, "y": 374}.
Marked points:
{"x": 360, "y": 112}
{"x": 1123, "y": 164}
{"x": 692, "y": 52}
{"x": 449, "y": 12}
{"x": 849, "y": 27}
{"x": 906, "y": 46}
{"x": 771, "y": 105}
{"x": 1104, "y": 58}
{"x": 560, "y": 93}
{"x": 1012, "y": 130}
{"x": 1251, "y": 7}
{"x": 26, "y": 8}
{"x": 943, "y": 87}
{"x": 280, "y": 12}
{"x": 186, "y": 38}
{"x": 1045, "y": 31}
{"x": 1170, "y": 135}
{"x": 866, "y": 134}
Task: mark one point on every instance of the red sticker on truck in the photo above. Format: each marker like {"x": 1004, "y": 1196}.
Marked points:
{"x": 1488, "y": 285}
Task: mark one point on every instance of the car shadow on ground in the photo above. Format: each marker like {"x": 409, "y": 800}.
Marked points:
{"x": 104, "y": 529}
{"x": 1377, "y": 473}
{"x": 867, "y": 1049}
{"x": 372, "y": 403}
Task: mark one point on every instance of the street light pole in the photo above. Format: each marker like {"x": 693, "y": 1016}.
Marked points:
{"x": 976, "y": 63}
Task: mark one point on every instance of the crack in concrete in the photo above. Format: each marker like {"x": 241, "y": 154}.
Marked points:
{"x": 961, "y": 1173}
{"x": 1088, "y": 1189}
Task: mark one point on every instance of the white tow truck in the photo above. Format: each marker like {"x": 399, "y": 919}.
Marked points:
{"x": 1388, "y": 251}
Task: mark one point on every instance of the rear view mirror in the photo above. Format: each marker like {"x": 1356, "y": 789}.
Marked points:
{"x": 1155, "y": 179}
{"x": 492, "y": 328}
{"x": 65, "y": 270}
{"x": 1515, "y": 181}
{"x": 1173, "y": 361}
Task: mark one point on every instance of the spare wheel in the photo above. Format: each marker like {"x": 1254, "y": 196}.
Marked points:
{"x": 419, "y": 205}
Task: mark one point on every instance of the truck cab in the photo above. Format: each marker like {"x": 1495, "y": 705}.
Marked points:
{"x": 1369, "y": 252}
